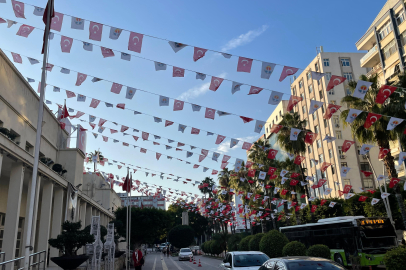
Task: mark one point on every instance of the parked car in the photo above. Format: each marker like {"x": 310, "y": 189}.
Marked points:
{"x": 244, "y": 260}
{"x": 196, "y": 250}
{"x": 185, "y": 254}
{"x": 300, "y": 263}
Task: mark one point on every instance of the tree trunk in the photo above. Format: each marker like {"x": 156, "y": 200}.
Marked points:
{"x": 307, "y": 193}
{"x": 285, "y": 208}
{"x": 389, "y": 162}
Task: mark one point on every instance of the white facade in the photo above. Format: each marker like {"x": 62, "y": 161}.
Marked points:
{"x": 18, "y": 113}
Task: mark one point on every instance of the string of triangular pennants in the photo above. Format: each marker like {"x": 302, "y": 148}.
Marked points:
{"x": 136, "y": 41}
{"x": 275, "y": 96}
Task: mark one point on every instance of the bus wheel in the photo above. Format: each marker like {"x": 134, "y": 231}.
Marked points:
{"x": 338, "y": 259}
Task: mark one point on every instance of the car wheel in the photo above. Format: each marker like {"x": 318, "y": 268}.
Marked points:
{"x": 338, "y": 259}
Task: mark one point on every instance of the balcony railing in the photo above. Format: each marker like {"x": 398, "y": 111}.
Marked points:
{"x": 374, "y": 70}
{"x": 371, "y": 52}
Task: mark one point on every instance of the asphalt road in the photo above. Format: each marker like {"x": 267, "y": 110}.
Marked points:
{"x": 156, "y": 261}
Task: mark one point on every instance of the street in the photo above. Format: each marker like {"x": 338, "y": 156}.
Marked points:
{"x": 156, "y": 261}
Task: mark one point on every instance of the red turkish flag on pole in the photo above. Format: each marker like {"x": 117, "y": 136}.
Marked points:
{"x": 334, "y": 81}
{"x": 275, "y": 128}
{"x": 393, "y": 182}
{"x": 383, "y": 152}
{"x": 272, "y": 153}
{"x": 331, "y": 109}
{"x": 384, "y": 92}
{"x": 346, "y": 145}
{"x": 45, "y": 19}
{"x": 293, "y": 100}
{"x": 310, "y": 137}
{"x": 371, "y": 119}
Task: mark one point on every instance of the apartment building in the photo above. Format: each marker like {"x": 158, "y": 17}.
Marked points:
{"x": 18, "y": 119}
{"x": 144, "y": 201}
{"x": 346, "y": 65}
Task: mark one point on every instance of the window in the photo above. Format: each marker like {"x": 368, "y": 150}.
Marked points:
{"x": 338, "y": 134}
{"x": 335, "y": 119}
{"x": 368, "y": 183}
{"x": 302, "y": 96}
{"x": 318, "y": 143}
{"x": 403, "y": 38}
{"x": 309, "y": 149}
{"x": 321, "y": 158}
{"x": 326, "y": 62}
{"x": 389, "y": 49}
{"x": 276, "y": 118}
{"x": 385, "y": 30}
{"x": 294, "y": 91}
{"x": 400, "y": 17}
{"x": 327, "y": 76}
{"x": 273, "y": 122}
{"x": 310, "y": 89}
{"x": 321, "y": 94}
{"x": 316, "y": 129}
{"x": 348, "y": 91}
{"x": 365, "y": 167}
{"x": 311, "y": 163}
{"x": 266, "y": 130}
{"x": 345, "y": 62}
{"x": 325, "y": 123}
{"x": 331, "y": 92}
{"x": 304, "y": 109}
{"x": 344, "y": 164}
{"x": 348, "y": 75}
{"x": 324, "y": 175}
{"x": 346, "y": 182}
{"x": 29, "y": 148}
{"x": 309, "y": 76}
{"x": 340, "y": 150}
{"x": 322, "y": 110}
{"x": 300, "y": 84}
{"x": 280, "y": 113}
{"x": 314, "y": 115}
{"x": 330, "y": 153}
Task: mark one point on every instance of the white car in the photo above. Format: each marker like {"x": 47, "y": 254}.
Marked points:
{"x": 185, "y": 254}
{"x": 243, "y": 260}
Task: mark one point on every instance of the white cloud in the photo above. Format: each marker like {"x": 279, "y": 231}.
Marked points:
{"x": 224, "y": 147}
{"x": 244, "y": 38}
{"x": 198, "y": 90}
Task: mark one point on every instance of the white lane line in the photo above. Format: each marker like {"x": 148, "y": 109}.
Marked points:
{"x": 164, "y": 267}
{"x": 211, "y": 264}
{"x": 153, "y": 267}
{"x": 187, "y": 264}
{"x": 176, "y": 264}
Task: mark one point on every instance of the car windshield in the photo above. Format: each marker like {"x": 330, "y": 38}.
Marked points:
{"x": 314, "y": 265}
{"x": 184, "y": 250}
{"x": 246, "y": 260}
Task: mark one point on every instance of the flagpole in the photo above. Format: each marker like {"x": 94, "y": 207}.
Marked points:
{"x": 129, "y": 226}
{"x": 29, "y": 247}
{"x": 126, "y": 236}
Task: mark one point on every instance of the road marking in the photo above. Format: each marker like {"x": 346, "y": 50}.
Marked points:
{"x": 176, "y": 264}
{"x": 153, "y": 267}
{"x": 164, "y": 267}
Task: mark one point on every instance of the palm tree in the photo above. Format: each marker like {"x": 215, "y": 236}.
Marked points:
{"x": 377, "y": 133}
{"x": 90, "y": 158}
{"x": 298, "y": 147}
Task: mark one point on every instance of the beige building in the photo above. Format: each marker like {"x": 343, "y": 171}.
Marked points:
{"x": 385, "y": 40}
{"x": 346, "y": 65}
{"x": 18, "y": 114}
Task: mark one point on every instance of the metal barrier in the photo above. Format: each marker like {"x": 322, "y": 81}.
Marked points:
{"x": 35, "y": 261}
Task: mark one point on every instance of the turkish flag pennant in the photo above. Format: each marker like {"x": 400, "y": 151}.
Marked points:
{"x": 346, "y": 145}
{"x": 297, "y": 208}
{"x": 70, "y": 94}
{"x": 362, "y": 198}
{"x": 120, "y": 106}
{"x": 393, "y": 182}
{"x": 371, "y": 119}
{"x": 25, "y": 30}
{"x": 314, "y": 208}
{"x": 178, "y": 72}
{"x": 246, "y": 119}
{"x": 178, "y": 105}
{"x": 322, "y": 202}
{"x": 215, "y": 83}
{"x": 220, "y": 139}
{"x": 284, "y": 191}
{"x": 272, "y": 153}
{"x": 135, "y": 42}
{"x": 334, "y": 81}
{"x": 106, "y": 52}
{"x": 310, "y": 137}
{"x": 251, "y": 173}
{"x": 248, "y": 164}
{"x": 80, "y": 79}
{"x": 321, "y": 182}
{"x": 275, "y": 128}
{"x": 66, "y": 44}
{"x": 287, "y": 71}
{"x": 209, "y": 113}
{"x": 44, "y": 19}
{"x": 294, "y": 182}
{"x": 95, "y": 31}
{"x": 298, "y": 160}
{"x": 18, "y": 8}
{"x": 195, "y": 131}
{"x": 246, "y": 146}
{"x": 255, "y": 90}
{"x": 273, "y": 176}
{"x": 135, "y": 138}
{"x": 331, "y": 109}
{"x": 145, "y": 135}
{"x": 244, "y": 64}
{"x": 271, "y": 170}
{"x": 303, "y": 196}
{"x": 198, "y": 53}
{"x": 168, "y": 123}
{"x": 293, "y": 100}
{"x": 17, "y": 58}
{"x": 384, "y": 92}
{"x": 383, "y": 152}
{"x": 201, "y": 157}
{"x": 324, "y": 166}
{"x": 347, "y": 189}
{"x": 158, "y": 155}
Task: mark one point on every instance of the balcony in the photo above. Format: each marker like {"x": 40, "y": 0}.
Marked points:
{"x": 375, "y": 70}
{"x": 371, "y": 59}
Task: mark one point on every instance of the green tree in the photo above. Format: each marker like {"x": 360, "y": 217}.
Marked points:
{"x": 294, "y": 248}
{"x": 198, "y": 223}
{"x": 147, "y": 224}
{"x": 320, "y": 251}
{"x": 377, "y": 133}
{"x": 244, "y": 243}
{"x": 221, "y": 240}
{"x": 234, "y": 241}
{"x": 181, "y": 236}
{"x": 103, "y": 232}
{"x": 254, "y": 242}
{"x": 272, "y": 243}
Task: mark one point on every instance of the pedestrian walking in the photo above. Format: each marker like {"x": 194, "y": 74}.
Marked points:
{"x": 138, "y": 258}
{"x": 167, "y": 252}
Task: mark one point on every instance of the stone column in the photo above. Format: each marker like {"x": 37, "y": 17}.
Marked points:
{"x": 89, "y": 213}
{"x": 57, "y": 211}
{"x": 15, "y": 187}
{"x": 83, "y": 214}
{"x": 34, "y": 214}
{"x": 1, "y": 160}
{"x": 45, "y": 217}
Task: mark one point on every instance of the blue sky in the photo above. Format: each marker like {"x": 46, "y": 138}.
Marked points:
{"x": 283, "y": 32}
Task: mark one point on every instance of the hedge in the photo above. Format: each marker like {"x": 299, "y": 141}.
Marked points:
{"x": 244, "y": 243}
{"x": 320, "y": 251}
{"x": 395, "y": 259}
{"x": 272, "y": 243}
{"x": 233, "y": 241}
{"x": 215, "y": 247}
{"x": 254, "y": 242}
{"x": 294, "y": 248}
